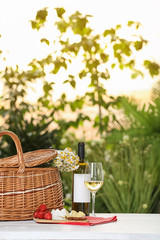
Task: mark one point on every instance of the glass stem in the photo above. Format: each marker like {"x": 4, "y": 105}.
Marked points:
{"x": 93, "y": 203}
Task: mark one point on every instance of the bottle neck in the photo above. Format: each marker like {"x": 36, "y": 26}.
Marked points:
{"x": 81, "y": 160}
{"x": 81, "y": 151}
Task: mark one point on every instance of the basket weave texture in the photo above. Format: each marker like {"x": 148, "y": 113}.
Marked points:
{"x": 23, "y": 189}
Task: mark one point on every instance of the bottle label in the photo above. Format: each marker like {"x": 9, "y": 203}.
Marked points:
{"x": 81, "y": 192}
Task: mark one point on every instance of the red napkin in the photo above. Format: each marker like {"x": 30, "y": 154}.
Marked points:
{"x": 93, "y": 221}
{"x": 100, "y": 220}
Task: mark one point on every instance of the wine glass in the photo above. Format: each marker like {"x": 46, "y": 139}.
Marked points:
{"x": 93, "y": 180}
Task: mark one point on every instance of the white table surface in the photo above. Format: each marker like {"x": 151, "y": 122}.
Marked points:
{"x": 128, "y": 226}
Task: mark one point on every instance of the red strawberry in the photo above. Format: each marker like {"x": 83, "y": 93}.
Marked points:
{"x": 40, "y": 214}
{"x": 48, "y": 215}
{"x": 46, "y": 211}
{"x": 35, "y": 214}
{"x": 42, "y": 207}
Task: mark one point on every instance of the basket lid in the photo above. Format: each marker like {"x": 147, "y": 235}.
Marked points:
{"x": 31, "y": 159}
{"x": 28, "y": 159}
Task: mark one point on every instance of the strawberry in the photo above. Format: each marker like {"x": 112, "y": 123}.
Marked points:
{"x": 45, "y": 211}
{"x": 42, "y": 207}
{"x": 40, "y": 214}
{"x": 35, "y": 214}
{"x": 48, "y": 215}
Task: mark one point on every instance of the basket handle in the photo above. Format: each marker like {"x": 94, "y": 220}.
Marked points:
{"x": 18, "y": 148}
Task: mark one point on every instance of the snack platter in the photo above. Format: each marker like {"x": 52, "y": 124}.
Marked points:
{"x": 37, "y": 220}
{"x": 56, "y": 216}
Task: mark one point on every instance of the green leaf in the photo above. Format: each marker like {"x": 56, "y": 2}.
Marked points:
{"x": 109, "y": 32}
{"x": 130, "y": 23}
{"x": 147, "y": 63}
{"x": 35, "y": 25}
{"x": 60, "y": 12}
{"x": 153, "y": 67}
{"x": 138, "y": 45}
{"x": 79, "y": 25}
{"x": 106, "y": 120}
{"x": 62, "y": 26}
{"x": 40, "y": 19}
{"x": 121, "y": 66}
{"x": 118, "y": 26}
{"x": 82, "y": 74}
{"x": 42, "y": 14}
{"x": 122, "y": 47}
{"x": 73, "y": 83}
{"x": 55, "y": 70}
{"x": 66, "y": 81}
{"x": 58, "y": 63}
{"x": 105, "y": 75}
{"x": 63, "y": 96}
{"x": 130, "y": 64}
{"x": 76, "y": 104}
{"x": 45, "y": 41}
{"x": 113, "y": 65}
{"x": 47, "y": 87}
{"x": 104, "y": 57}
{"x": 134, "y": 75}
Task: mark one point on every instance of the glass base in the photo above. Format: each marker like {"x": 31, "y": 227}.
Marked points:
{"x": 92, "y": 215}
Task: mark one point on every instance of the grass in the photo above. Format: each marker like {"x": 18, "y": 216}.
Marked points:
{"x": 131, "y": 179}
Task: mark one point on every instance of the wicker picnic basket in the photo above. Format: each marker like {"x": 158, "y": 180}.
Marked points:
{"x": 24, "y": 187}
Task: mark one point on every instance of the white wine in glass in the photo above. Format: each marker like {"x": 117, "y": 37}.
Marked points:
{"x": 93, "y": 180}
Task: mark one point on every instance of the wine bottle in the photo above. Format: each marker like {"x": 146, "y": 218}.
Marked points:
{"x": 80, "y": 193}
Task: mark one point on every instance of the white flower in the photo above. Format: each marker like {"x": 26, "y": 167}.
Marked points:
{"x": 104, "y": 173}
{"x": 107, "y": 156}
{"x": 93, "y": 143}
{"x": 125, "y": 138}
{"x": 67, "y": 134}
{"x": 68, "y": 196}
{"x": 66, "y": 160}
{"x": 111, "y": 176}
{"x": 115, "y": 154}
{"x": 63, "y": 141}
{"x": 120, "y": 182}
{"x": 29, "y": 134}
{"x": 88, "y": 151}
{"x": 101, "y": 141}
{"x": 145, "y": 206}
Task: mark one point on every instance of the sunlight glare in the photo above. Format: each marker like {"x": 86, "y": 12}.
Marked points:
{"x": 20, "y": 44}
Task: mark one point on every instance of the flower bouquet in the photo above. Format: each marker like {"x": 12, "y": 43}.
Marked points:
{"x": 66, "y": 160}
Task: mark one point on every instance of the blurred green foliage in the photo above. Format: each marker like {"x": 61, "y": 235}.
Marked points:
{"x": 128, "y": 146}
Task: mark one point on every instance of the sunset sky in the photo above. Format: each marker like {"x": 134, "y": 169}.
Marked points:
{"x": 20, "y": 44}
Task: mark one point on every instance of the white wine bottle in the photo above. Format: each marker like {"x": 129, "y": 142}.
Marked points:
{"x": 80, "y": 193}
